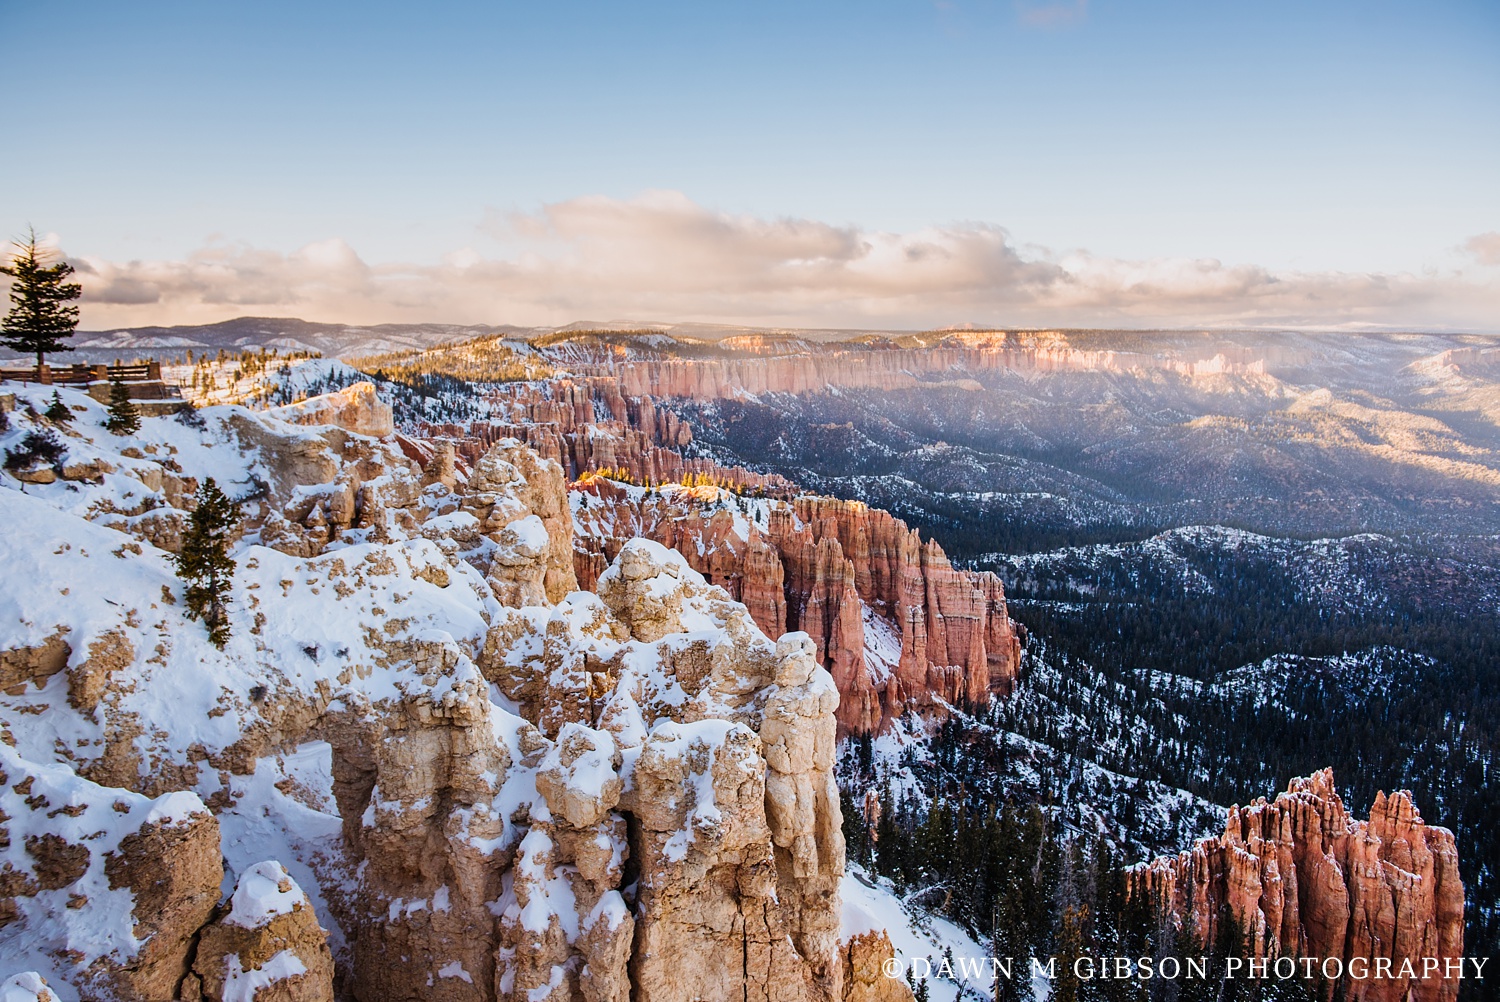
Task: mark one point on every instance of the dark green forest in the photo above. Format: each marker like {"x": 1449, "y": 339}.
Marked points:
{"x": 1185, "y": 686}
{"x": 1174, "y": 666}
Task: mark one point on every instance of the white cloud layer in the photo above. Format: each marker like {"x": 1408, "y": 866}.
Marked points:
{"x": 661, "y": 256}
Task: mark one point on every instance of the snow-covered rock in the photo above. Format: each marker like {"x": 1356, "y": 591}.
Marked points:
{"x": 471, "y": 790}
{"x": 28, "y": 986}
{"x": 355, "y": 408}
{"x": 103, "y": 886}
{"x": 268, "y": 946}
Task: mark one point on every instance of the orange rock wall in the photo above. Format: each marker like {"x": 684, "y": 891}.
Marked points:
{"x": 814, "y": 567}
{"x": 588, "y": 425}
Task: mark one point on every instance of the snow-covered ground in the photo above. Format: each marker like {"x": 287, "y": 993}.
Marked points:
{"x": 871, "y": 904}
{"x": 258, "y": 381}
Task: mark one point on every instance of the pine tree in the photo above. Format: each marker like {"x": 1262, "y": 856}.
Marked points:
{"x": 124, "y": 419}
{"x": 57, "y": 411}
{"x": 1008, "y": 936}
{"x": 1070, "y": 947}
{"x": 40, "y": 317}
{"x": 205, "y": 564}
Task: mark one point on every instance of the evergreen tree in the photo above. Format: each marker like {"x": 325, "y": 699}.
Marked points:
{"x": 40, "y": 317}
{"x": 39, "y": 445}
{"x": 1070, "y": 947}
{"x": 124, "y": 419}
{"x": 1008, "y": 941}
{"x": 856, "y": 830}
{"x": 205, "y": 564}
{"x": 57, "y": 411}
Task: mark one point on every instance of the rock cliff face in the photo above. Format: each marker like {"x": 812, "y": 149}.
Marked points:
{"x": 355, "y": 408}
{"x": 883, "y": 367}
{"x": 725, "y": 815}
{"x": 891, "y": 619}
{"x": 894, "y": 623}
{"x": 1299, "y": 878}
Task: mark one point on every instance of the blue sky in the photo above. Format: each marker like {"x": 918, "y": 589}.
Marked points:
{"x": 1297, "y": 138}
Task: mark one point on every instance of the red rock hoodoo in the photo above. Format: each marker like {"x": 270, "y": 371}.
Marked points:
{"x": 1300, "y": 878}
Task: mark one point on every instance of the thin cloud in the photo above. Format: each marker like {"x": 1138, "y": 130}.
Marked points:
{"x": 1054, "y": 14}
{"x": 661, "y": 256}
{"x": 1485, "y": 247}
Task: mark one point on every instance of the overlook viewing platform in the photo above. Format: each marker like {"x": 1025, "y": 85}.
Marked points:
{"x": 151, "y": 394}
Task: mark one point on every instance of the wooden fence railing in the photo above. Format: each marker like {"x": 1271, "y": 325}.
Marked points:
{"x": 82, "y": 375}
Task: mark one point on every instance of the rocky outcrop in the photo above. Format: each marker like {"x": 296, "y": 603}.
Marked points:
{"x": 504, "y": 787}
{"x": 35, "y": 665}
{"x": 956, "y": 640}
{"x": 172, "y": 869}
{"x": 523, "y": 500}
{"x": 355, "y": 408}
{"x": 706, "y": 769}
{"x": 420, "y": 794}
{"x": 865, "y": 979}
{"x": 67, "y": 844}
{"x": 266, "y": 947}
{"x": 662, "y": 814}
{"x": 835, "y": 570}
{"x": 890, "y": 618}
{"x": 28, "y": 986}
{"x": 507, "y": 514}
{"x": 1298, "y": 877}
{"x": 586, "y": 425}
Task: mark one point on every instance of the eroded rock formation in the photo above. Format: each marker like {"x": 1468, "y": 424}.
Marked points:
{"x": 1298, "y": 877}
{"x": 791, "y": 368}
{"x": 355, "y": 408}
{"x": 589, "y": 424}
{"x": 729, "y": 820}
{"x": 894, "y": 623}
{"x": 267, "y": 946}
{"x": 140, "y": 875}
{"x": 865, "y": 978}
{"x": 492, "y": 785}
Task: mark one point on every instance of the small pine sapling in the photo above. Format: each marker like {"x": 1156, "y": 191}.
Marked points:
{"x": 204, "y": 564}
{"x": 124, "y": 419}
{"x": 187, "y": 415}
{"x": 57, "y": 411}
